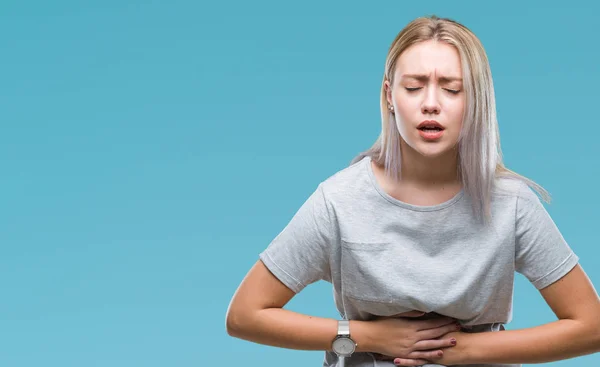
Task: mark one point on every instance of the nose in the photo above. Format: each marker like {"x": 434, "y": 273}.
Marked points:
{"x": 431, "y": 104}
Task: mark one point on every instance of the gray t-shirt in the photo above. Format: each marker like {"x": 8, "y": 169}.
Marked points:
{"x": 385, "y": 257}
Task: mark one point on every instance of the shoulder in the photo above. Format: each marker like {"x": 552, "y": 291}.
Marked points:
{"x": 517, "y": 193}
{"x": 346, "y": 179}
{"x": 514, "y": 188}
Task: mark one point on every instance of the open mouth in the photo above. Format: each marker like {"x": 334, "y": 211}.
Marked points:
{"x": 431, "y": 133}
{"x": 430, "y": 129}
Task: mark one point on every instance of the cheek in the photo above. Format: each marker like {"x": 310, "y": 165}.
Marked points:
{"x": 406, "y": 109}
{"x": 458, "y": 122}
{"x": 460, "y": 108}
{"x": 456, "y": 112}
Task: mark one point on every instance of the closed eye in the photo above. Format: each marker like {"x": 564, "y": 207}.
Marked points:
{"x": 452, "y": 91}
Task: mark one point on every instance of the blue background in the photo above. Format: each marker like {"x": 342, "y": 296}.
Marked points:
{"x": 150, "y": 150}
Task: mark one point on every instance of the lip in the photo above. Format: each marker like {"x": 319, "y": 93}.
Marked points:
{"x": 431, "y": 135}
{"x": 430, "y": 123}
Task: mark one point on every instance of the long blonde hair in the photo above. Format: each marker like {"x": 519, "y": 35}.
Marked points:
{"x": 479, "y": 153}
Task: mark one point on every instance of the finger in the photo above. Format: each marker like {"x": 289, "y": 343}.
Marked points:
{"x": 434, "y": 344}
{"x": 436, "y": 333}
{"x": 429, "y": 354}
{"x": 434, "y": 323}
{"x": 409, "y": 362}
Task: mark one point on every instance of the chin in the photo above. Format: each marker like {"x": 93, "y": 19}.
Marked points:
{"x": 429, "y": 149}
{"x": 434, "y": 151}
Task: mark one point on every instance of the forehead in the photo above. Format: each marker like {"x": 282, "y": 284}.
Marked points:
{"x": 430, "y": 58}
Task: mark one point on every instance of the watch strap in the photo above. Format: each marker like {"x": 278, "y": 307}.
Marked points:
{"x": 344, "y": 328}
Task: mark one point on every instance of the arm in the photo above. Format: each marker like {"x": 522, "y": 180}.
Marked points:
{"x": 577, "y": 332}
{"x": 256, "y": 314}
{"x": 297, "y": 256}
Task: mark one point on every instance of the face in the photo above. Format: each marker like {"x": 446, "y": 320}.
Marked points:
{"x": 428, "y": 86}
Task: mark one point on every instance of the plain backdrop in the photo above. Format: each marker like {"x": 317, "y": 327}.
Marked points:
{"x": 150, "y": 150}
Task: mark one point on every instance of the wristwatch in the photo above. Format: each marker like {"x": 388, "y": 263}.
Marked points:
{"x": 342, "y": 344}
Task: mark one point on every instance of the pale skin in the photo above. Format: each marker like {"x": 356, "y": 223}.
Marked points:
{"x": 428, "y": 177}
{"x": 427, "y": 85}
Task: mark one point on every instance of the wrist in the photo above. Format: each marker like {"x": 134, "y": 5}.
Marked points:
{"x": 359, "y": 331}
{"x": 463, "y": 347}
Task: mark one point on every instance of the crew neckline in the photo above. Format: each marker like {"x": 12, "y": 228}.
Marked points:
{"x": 393, "y": 200}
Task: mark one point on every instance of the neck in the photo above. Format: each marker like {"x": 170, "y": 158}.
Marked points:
{"x": 430, "y": 172}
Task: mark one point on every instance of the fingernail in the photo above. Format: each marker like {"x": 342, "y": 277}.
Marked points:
{"x": 453, "y": 341}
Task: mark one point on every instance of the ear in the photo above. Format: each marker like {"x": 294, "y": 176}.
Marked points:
{"x": 388, "y": 91}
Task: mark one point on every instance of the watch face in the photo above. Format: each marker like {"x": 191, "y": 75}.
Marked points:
{"x": 343, "y": 346}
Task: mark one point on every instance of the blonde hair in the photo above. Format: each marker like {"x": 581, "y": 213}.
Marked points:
{"x": 479, "y": 153}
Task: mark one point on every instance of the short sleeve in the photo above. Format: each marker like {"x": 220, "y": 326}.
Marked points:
{"x": 300, "y": 254}
{"x": 542, "y": 255}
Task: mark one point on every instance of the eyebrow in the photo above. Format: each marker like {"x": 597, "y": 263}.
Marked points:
{"x": 424, "y": 78}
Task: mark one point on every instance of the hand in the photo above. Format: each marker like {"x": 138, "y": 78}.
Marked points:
{"x": 451, "y": 356}
{"x": 411, "y": 342}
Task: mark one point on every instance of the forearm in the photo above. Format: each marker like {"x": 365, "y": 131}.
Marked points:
{"x": 288, "y": 329}
{"x": 550, "y": 342}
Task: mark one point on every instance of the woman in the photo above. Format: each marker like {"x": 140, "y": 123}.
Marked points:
{"x": 422, "y": 234}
